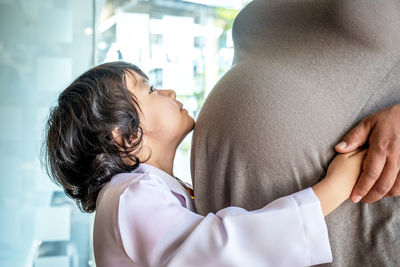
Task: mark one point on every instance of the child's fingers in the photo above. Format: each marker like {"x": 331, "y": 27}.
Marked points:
{"x": 361, "y": 154}
{"x": 352, "y": 153}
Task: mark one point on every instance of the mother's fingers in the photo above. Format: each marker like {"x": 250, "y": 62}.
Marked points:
{"x": 395, "y": 191}
{"x": 371, "y": 171}
{"x": 384, "y": 183}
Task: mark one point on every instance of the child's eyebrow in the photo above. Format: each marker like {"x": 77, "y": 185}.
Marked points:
{"x": 145, "y": 80}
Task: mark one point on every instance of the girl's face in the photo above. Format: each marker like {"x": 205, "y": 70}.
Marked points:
{"x": 163, "y": 119}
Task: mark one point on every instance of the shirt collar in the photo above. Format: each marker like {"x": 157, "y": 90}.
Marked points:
{"x": 172, "y": 183}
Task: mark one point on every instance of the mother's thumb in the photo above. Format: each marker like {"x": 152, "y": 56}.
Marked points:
{"x": 355, "y": 138}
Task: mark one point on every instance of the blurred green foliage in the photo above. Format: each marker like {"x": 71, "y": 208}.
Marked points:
{"x": 225, "y": 17}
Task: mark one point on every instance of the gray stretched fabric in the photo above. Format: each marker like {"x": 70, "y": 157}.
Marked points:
{"x": 305, "y": 73}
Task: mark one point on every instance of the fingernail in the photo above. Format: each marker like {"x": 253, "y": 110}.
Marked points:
{"x": 356, "y": 199}
{"x": 342, "y": 145}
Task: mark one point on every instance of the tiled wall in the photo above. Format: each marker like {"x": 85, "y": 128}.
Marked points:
{"x": 43, "y": 46}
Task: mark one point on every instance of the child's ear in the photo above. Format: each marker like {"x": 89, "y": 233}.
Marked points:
{"x": 116, "y": 135}
{"x": 125, "y": 144}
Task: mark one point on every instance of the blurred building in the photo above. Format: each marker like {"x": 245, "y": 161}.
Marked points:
{"x": 177, "y": 42}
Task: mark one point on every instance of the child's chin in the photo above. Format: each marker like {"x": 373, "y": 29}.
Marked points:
{"x": 189, "y": 130}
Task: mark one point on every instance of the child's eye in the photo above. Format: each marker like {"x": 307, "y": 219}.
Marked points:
{"x": 152, "y": 89}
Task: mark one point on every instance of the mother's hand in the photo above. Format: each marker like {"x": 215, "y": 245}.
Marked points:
{"x": 380, "y": 174}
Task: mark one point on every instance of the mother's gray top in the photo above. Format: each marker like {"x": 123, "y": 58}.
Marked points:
{"x": 305, "y": 73}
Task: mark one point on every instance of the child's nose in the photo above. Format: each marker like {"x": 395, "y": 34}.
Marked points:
{"x": 168, "y": 93}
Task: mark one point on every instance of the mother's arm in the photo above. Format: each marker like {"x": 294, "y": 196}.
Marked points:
{"x": 380, "y": 175}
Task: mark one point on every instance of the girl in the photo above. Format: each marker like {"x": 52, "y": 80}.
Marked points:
{"x": 111, "y": 142}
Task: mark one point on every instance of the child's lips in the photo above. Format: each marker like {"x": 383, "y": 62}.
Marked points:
{"x": 179, "y": 104}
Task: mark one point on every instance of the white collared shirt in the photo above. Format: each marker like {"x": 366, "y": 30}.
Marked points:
{"x": 141, "y": 220}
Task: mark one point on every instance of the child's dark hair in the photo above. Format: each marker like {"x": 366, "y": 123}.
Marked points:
{"x": 80, "y": 151}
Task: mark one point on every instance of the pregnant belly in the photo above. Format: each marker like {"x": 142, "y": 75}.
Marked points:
{"x": 266, "y": 131}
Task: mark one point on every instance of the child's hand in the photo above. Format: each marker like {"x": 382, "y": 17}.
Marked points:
{"x": 340, "y": 179}
{"x": 345, "y": 169}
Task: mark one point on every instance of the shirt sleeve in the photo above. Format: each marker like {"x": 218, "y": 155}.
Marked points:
{"x": 157, "y": 231}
